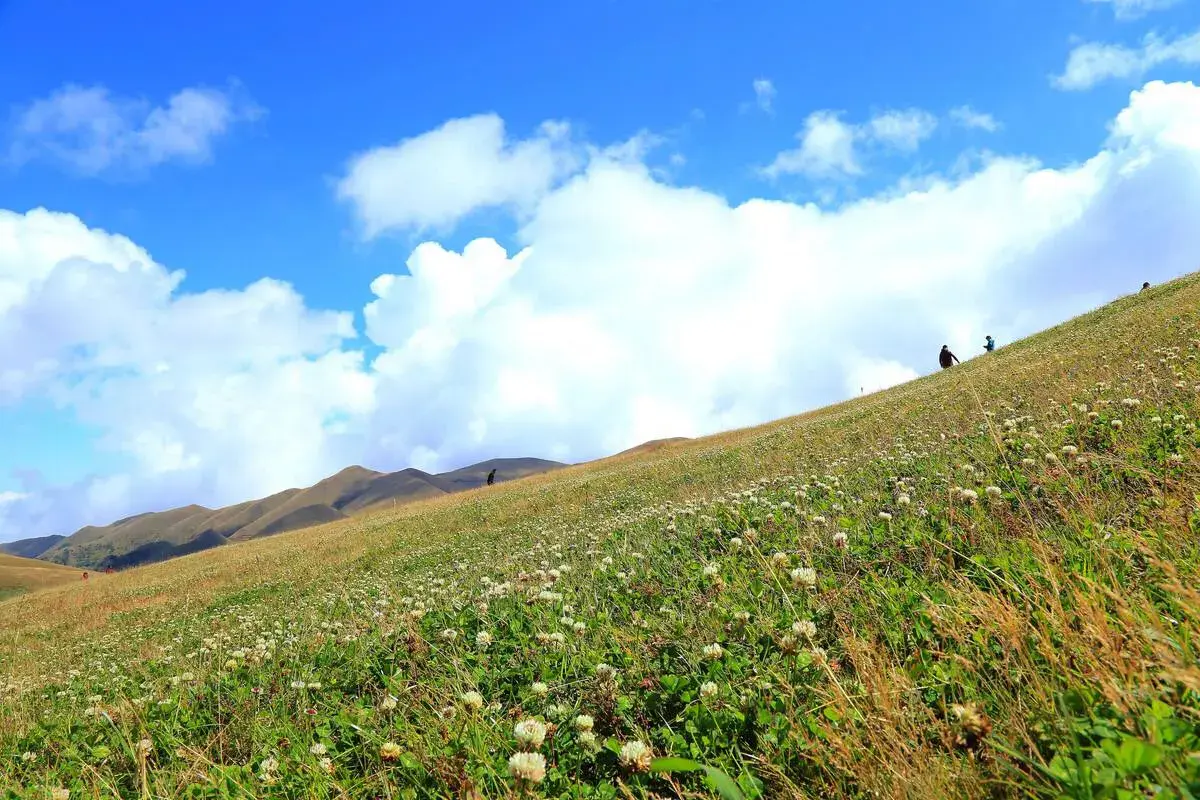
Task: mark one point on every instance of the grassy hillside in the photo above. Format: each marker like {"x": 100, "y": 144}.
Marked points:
{"x": 161, "y": 535}
{"x": 20, "y": 575}
{"x": 981, "y": 584}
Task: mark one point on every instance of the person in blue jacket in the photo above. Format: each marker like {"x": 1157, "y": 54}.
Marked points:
{"x": 990, "y": 344}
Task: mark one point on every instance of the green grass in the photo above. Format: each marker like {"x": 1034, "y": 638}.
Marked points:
{"x": 980, "y": 584}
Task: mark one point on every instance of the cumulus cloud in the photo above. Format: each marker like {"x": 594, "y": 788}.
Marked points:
{"x": 829, "y": 146}
{"x": 826, "y": 149}
{"x": 968, "y": 117}
{"x": 1126, "y": 10}
{"x": 430, "y": 182}
{"x": 1095, "y": 62}
{"x": 627, "y": 309}
{"x": 92, "y": 131}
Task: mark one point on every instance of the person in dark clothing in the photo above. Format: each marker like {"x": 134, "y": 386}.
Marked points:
{"x": 945, "y": 358}
{"x": 1145, "y": 286}
{"x": 491, "y": 477}
{"x": 990, "y": 344}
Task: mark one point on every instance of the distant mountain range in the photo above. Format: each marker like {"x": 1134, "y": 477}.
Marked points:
{"x": 157, "y": 536}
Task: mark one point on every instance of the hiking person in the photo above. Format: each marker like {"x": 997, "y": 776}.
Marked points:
{"x": 85, "y": 576}
{"x": 1145, "y": 285}
{"x": 990, "y": 344}
{"x": 946, "y": 357}
{"x": 491, "y": 477}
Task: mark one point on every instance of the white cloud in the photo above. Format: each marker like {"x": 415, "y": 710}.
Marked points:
{"x": 828, "y": 146}
{"x": 1094, "y": 62}
{"x": 764, "y": 94}
{"x": 904, "y": 130}
{"x": 430, "y": 182}
{"x": 631, "y": 309}
{"x": 1134, "y": 9}
{"x": 92, "y": 131}
{"x": 968, "y": 117}
{"x": 826, "y": 149}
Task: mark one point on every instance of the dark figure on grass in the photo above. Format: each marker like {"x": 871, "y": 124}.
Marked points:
{"x": 945, "y": 358}
{"x": 1145, "y": 286}
{"x": 491, "y": 477}
{"x": 990, "y": 344}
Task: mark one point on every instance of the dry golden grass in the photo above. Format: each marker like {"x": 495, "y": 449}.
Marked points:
{"x": 21, "y": 575}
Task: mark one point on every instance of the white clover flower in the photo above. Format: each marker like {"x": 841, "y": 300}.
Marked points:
{"x": 711, "y": 570}
{"x": 805, "y": 577}
{"x": 605, "y": 672}
{"x": 713, "y": 651}
{"x": 317, "y": 749}
{"x": 885, "y": 516}
{"x": 708, "y": 689}
{"x": 636, "y": 755}
{"x": 449, "y": 634}
{"x": 840, "y": 540}
{"x": 483, "y": 639}
{"x": 968, "y": 495}
{"x": 540, "y": 689}
{"x": 805, "y": 627}
{"x": 993, "y": 491}
{"x": 388, "y": 703}
{"x": 530, "y": 733}
{"x": 297, "y": 684}
{"x": 584, "y": 722}
{"x": 1117, "y": 424}
{"x": 528, "y": 767}
{"x": 903, "y": 499}
{"x": 472, "y": 700}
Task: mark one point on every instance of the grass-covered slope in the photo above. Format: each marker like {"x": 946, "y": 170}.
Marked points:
{"x": 980, "y": 584}
{"x": 20, "y": 575}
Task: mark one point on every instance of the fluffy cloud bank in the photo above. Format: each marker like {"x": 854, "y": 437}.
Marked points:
{"x": 1095, "y": 62}
{"x": 629, "y": 309}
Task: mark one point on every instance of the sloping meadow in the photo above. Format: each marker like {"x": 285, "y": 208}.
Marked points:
{"x": 980, "y": 584}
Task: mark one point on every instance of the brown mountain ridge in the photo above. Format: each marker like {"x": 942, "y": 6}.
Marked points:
{"x": 159, "y": 535}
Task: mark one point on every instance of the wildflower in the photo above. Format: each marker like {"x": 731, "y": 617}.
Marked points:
{"x": 530, "y": 733}
{"x": 540, "y": 689}
{"x": 472, "y": 700}
{"x": 635, "y": 755}
{"x": 804, "y": 576}
{"x": 389, "y": 751}
{"x": 840, "y": 540}
{"x": 326, "y": 765}
{"x": 317, "y": 749}
{"x": 144, "y": 746}
{"x": 529, "y": 767}
{"x": 1175, "y": 458}
{"x": 449, "y": 635}
{"x": 28, "y": 756}
{"x": 1051, "y": 458}
{"x": 885, "y": 516}
{"x": 708, "y": 689}
{"x": 605, "y": 672}
{"x": 483, "y": 639}
{"x": 711, "y": 570}
{"x": 60, "y": 794}
{"x": 903, "y": 499}
{"x": 297, "y": 684}
{"x": 735, "y": 542}
{"x": 968, "y": 495}
{"x": 1117, "y": 424}
{"x": 579, "y": 627}
{"x": 1069, "y": 449}
{"x": 388, "y": 703}
{"x": 713, "y": 651}
{"x": 741, "y": 618}
{"x": 993, "y": 491}
{"x": 778, "y": 559}
{"x": 587, "y": 740}
{"x": 805, "y": 627}
{"x": 583, "y": 722}
{"x": 818, "y": 520}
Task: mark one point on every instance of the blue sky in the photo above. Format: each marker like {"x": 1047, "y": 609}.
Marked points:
{"x": 331, "y": 82}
